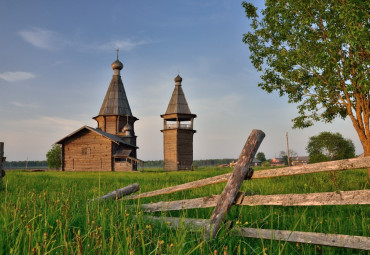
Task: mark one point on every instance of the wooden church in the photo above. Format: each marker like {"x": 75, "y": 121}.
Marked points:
{"x": 112, "y": 145}
{"x": 178, "y": 131}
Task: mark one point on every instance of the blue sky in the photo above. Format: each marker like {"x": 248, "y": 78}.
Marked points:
{"x": 55, "y": 61}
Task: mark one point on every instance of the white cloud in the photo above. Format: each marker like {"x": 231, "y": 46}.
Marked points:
{"x": 124, "y": 45}
{"x": 16, "y": 76}
{"x": 43, "y": 38}
{"x": 23, "y": 105}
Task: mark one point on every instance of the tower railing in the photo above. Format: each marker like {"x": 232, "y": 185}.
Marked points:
{"x": 178, "y": 125}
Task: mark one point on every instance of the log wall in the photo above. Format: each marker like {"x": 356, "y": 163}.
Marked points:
{"x": 87, "y": 151}
{"x": 178, "y": 149}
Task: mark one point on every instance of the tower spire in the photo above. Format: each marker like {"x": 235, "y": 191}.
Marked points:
{"x": 117, "y": 52}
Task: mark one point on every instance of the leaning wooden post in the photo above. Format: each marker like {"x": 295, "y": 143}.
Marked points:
{"x": 241, "y": 171}
{"x": 2, "y": 159}
{"x": 119, "y": 193}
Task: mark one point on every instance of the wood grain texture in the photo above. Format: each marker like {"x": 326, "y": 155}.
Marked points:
{"x": 354, "y": 197}
{"x": 235, "y": 181}
{"x": 334, "y": 240}
{"x": 338, "y": 165}
{"x": 119, "y": 193}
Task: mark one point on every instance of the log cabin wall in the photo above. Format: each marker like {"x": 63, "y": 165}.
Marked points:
{"x": 185, "y": 149}
{"x": 170, "y": 149}
{"x": 87, "y": 151}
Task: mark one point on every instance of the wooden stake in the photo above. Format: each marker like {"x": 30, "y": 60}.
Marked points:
{"x": 117, "y": 194}
{"x": 2, "y": 159}
{"x": 231, "y": 190}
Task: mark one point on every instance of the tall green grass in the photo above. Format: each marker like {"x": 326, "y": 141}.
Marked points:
{"x": 49, "y": 213}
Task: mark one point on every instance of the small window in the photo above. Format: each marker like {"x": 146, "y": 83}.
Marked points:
{"x": 85, "y": 151}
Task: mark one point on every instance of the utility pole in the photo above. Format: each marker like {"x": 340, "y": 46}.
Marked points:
{"x": 287, "y": 146}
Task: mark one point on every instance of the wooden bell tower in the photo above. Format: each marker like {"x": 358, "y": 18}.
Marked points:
{"x": 178, "y": 132}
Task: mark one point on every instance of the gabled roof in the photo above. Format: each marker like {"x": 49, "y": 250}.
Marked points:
{"x": 115, "y": 101}
{"x": 178, "y": 103}
{"x": 111, "y": 137}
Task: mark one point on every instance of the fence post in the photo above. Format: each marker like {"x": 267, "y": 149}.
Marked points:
{"x": 241, "y": 171}
{"x": 2, "y": 159}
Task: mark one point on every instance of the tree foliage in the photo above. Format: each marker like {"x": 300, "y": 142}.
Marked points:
{"x": 317, "y": 54}
{"x": 54, "y": 157}
{"x": 261, "y": 156}
{"x": 329, "y": 146}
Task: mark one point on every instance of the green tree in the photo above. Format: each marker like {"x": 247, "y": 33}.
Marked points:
{"x": 329, "y": 146}
{"x": 316, "y": 53}
{"x": 54, "y": 157}
{"x": 261, "y": 156}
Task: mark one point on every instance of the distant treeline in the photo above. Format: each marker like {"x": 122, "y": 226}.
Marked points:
{"x": 197, "y": 163}
{"x": 148, "y": 164}
{"x": 25, "y": 164}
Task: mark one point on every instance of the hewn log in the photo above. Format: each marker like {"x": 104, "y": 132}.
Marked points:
{"x": 119, "y": 192}
{"x": 338, "y": 165}
{"x": 334, "y": 240}
{"x": 173, "y": 222}
{"x": 345, "y": 241}
{"x": 354, "y": 197}
{"x": 185, "y": 186}
{"x": 233, "y": 185}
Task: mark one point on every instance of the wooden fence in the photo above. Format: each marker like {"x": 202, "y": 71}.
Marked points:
{"x": 2, "y": 159}
{"x": 232, "y": 196}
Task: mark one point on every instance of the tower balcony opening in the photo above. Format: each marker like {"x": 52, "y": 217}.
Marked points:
{"x": 179, "y": 125}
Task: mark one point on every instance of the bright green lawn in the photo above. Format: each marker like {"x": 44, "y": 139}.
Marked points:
{"x": 48, "y": 213}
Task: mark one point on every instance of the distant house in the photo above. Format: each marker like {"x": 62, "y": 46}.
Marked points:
{"x": 256, "y": 162}
{"x": 298, "y": 161}
{"x": 277, "y": 162}
{"x": 112, "y": 145}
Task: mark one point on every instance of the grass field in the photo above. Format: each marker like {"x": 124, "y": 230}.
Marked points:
{"x": 49, "y": 213}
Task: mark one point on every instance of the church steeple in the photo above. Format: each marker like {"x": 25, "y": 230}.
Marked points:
{"x": 115, "y": 112}
{"x": 178, "y": 131}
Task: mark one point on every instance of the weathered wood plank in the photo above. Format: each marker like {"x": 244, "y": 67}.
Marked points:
{"x": 119, "y": 192}
{"x": 173, "y": 222}
{"x": 338, "y": 165}
{"x": 353, "y": 197}
{"x": 334, "y": 240}
{"x": 358, "y": 197}
{"x": 185, "y": 186}
{"x": 235, "y": 181}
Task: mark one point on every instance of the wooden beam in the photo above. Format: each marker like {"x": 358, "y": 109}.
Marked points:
{"x": 334, "y": 240}
{"x": 354, "y": 197}
{"x": 235, "y": 181}
{"x": 185, "y": 186}
{"x": 117, "y": 194}
{"x": 344, "y": 241}
{"x": 339, "y": 165}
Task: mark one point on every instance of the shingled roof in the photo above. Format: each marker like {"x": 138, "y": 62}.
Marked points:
{"x": 178, "y": 103}
{"x": 115, "y": 101}
{"x": 109, "y": 136}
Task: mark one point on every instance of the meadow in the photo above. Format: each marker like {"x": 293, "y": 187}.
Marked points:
{"x": 49, "y": 213}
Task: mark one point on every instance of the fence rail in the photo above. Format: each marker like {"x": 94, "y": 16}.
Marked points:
{"x": 231, "y": 196}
